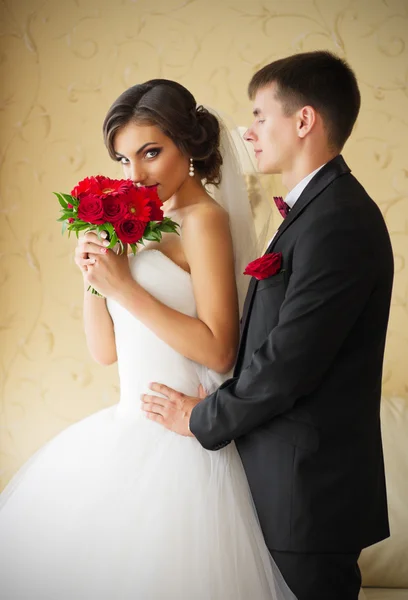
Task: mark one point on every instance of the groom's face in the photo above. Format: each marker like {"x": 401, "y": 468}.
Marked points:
{"x": 272, "y": 133}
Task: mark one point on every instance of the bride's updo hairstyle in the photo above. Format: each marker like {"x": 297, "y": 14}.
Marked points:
{"x": 173, "y": 109}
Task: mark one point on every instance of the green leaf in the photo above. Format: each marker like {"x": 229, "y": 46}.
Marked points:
{"x": 169, "y": 228}
{"x": 67, "y": 215}
{"x": 61, "y": 200}
{"x": 70, "y": 199}
{"x": 154, "y": 236}
{"x": 168, "y": 225}
{"x": 114, "y": 240}
{"x": 78, "y": 226}
{"x": 64, "y": 227}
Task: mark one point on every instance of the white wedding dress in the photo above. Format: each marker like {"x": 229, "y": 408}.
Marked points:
{"x": 118, "y": 508}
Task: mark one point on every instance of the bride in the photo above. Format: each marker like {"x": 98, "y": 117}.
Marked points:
{"x": 116, "y": 507}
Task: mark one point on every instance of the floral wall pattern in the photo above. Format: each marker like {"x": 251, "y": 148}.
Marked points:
{"x": 62, "y": 63}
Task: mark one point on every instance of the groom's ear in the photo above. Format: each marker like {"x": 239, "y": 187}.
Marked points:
{"x": 307, "y": 118}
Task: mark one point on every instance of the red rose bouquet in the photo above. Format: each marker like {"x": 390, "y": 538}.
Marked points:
{"x": 128, "y": 214}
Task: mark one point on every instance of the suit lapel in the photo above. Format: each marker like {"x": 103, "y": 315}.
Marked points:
{"x": 333, "y": 169}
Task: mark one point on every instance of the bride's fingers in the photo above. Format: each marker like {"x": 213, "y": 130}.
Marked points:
{"x": 84, "y": 262}
{"x": 91, "y": 236}
{"x": 91, "y": 248}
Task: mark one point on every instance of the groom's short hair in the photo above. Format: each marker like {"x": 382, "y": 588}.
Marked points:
{"x": 319, "y": 79}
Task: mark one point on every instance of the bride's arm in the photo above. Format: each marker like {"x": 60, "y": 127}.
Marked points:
{"x": 212, "y": 338}
{"x": 98, "y": 325}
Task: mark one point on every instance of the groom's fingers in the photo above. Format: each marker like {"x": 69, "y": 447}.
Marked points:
{"x": 159, "y": 403}
{"x": 171, "y": 394}
{"x": 154, "y": 417}
{"x": 153, "y": 408}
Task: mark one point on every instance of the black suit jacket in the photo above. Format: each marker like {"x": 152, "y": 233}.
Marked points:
{"x": 304, "y": 404}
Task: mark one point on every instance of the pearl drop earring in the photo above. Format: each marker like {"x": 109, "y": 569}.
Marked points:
{"x": 191, "y": 168}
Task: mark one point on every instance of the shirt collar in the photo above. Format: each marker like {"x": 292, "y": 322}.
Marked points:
{"x": 294, "y": 193}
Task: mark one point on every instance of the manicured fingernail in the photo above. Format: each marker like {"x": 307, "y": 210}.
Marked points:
{"x": 106, "y": 243}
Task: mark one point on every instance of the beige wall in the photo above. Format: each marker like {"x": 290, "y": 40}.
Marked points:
{"x": 62, "y": 63}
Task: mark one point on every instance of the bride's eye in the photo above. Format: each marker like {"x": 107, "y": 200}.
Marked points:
{"x": 152, "y": 153}
{"x": 123, "y": 160}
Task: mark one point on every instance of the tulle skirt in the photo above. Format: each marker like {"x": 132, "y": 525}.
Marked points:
{"x": 117, "y": 508}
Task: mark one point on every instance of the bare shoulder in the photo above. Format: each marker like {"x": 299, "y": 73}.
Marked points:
{"x": 204, "y": 215}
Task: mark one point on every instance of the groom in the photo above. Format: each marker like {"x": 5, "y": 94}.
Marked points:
{"x": 303, "y": 405}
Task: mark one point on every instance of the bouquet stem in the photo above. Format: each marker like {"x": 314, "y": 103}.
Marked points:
{"x": 94, "y": 292}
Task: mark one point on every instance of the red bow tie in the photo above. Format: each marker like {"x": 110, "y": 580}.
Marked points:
{"x": 281, "y": 205}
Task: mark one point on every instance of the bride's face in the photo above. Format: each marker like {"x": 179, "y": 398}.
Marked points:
{"x": 150, "y": 158}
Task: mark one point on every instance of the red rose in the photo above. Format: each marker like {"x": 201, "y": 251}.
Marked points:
{"x": 115, "y": 208}
{"x": 130, "y": 230}
{"x": 138, "y": 204}
{"x": 265, "y": 266}
{"x": 90, "y": 210}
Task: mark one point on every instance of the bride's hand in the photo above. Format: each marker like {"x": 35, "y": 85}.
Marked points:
{"x": 103, "y": 269}
{"x": 109, "y": 273}
{"x": 89, "y": 246}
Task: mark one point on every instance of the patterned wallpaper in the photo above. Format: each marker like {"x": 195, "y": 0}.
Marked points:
{"x": 62, "y": 63}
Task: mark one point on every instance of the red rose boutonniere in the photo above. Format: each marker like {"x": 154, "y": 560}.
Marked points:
{"x": 129, "y": 215}
{"x": 265, "y": 266}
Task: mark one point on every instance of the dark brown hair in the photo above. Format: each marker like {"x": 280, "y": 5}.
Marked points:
{"x": 173, "y": 109}
{"x": 318, "y": 79}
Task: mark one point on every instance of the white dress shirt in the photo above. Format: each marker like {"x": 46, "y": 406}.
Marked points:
{"x": 295, "y": 192}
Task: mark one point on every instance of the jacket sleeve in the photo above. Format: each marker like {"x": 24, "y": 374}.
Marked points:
{"x": 333, "y": 275}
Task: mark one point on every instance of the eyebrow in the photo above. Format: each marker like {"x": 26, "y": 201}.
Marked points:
{"x": 138, "y": 151}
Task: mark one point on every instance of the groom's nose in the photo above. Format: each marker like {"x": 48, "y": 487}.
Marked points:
{"x": 249, "y": 135}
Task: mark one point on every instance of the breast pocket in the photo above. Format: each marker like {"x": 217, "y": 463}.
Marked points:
{"x": 274, "y": 280}
{"x": 270, "y": 293}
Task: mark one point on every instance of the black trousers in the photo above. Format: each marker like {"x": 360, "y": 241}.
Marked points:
{"x": 320, "y": 576}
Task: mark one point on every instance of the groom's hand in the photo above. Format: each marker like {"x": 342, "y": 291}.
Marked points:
{"x": 174, "y": 410}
